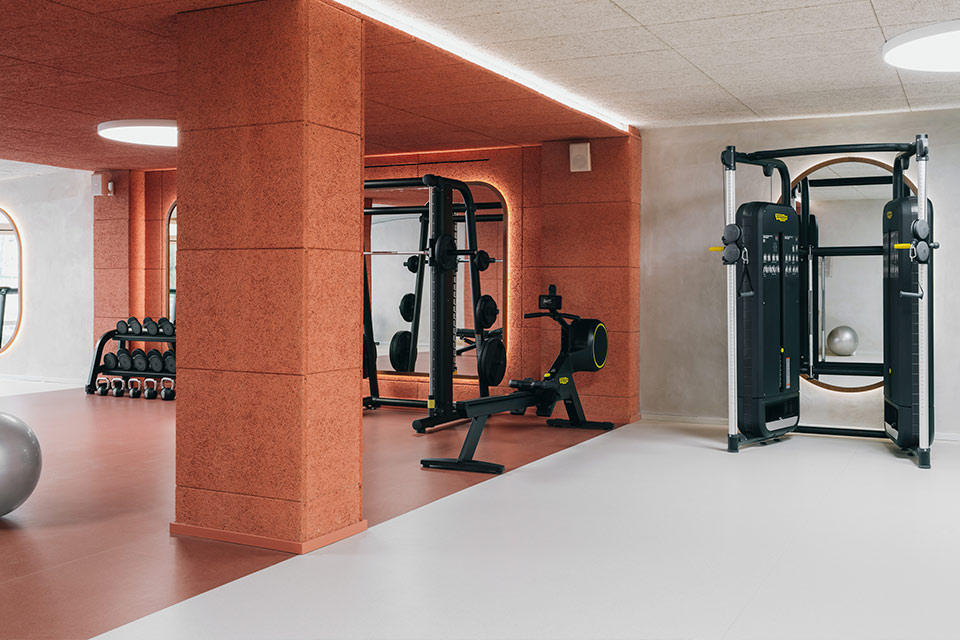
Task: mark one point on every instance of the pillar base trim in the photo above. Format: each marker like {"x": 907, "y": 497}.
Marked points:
{"x": 287, "y": 546}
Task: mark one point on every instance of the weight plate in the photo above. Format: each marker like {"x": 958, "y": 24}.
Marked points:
{"x": 487, "y": 311}
{"x": 408, "y": 304}
{"x": 400, "y": 350}
{"x": 110, "y": 360}
{"x": 482, "y": 260}
{"x": 492, "y": 361}
{"x": 921, "y": 229}
{"x": 170, "y": 363}
{"x": 122, "y": 327}
{"x": 445, "y": 253}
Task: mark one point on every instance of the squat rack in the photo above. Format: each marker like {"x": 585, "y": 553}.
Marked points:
{"x": 770, "y": 161}
{"x": 438, "y": 250}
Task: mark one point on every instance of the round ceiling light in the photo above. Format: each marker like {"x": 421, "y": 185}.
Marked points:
{"x": 155, "y": 133}
{"x": 932, "y": 48}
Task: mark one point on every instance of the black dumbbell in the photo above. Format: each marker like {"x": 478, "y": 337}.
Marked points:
{"x": 167, "y": 393}
{"x": 124, "y": 361}
{"x": 150, "y": 326}
{"x": 133, "y": 326}
{"x": 149, "y": 389}
{"x": 154, "y": 360}
{"x": 166, "y": 327}
{"x": 408, "y": 305}
{"x": 134, "y": 390}
{"x": 139, "y": 360}
{"x": 170, "y": 361}
{"x": 122, "y": 327}
{"x": 110, "y": 360}
{"x": 103, "y": 386}
{"x": 118, "y": 388}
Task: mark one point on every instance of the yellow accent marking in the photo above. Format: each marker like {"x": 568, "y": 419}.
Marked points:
{"x": 431, "y": 404}
{"x": 902, "y": 245}
{"x": 595, "y": 329}
{"x": 546, "y": 375}
{"x": 781, "y": 349}
{"x": 715, "y": 248}
{"x": 889, "y": 215}
{"x": 564, "y": 380}
{"x": 781, "y": 217}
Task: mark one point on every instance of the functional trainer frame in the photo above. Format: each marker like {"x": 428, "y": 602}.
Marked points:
{"x": 920, "y": 247}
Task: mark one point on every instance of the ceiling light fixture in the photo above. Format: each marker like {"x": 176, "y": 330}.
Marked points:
{"x": 935, "y": 47}
{"x": 389, "y": 15}
{"x": 155, "y": 133}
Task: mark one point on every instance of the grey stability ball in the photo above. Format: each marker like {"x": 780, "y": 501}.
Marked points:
{"x": 843, "y": 341}
{"x": 20, "y": 462}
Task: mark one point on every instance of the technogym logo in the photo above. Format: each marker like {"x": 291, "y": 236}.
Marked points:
{"x": 781, "y": 217}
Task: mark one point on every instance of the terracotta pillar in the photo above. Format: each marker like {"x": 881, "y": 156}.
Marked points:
{"x": 114, "y": 228}
{"x": 590, "y": 248}
{"x": 269, "y": 274}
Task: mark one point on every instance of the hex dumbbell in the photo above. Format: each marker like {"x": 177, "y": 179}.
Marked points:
{"x": 150, "y": 327}
{"x": 170, "y": 361}
{"x": 139, "y": 359}
{"x": 155, "y": 361}
{"x": 124, "y": 361}
{"x": 166, "y": 327}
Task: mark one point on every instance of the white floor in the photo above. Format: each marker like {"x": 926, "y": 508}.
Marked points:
{"x": 651, "y": 531}
{"x": 15, "y": 387}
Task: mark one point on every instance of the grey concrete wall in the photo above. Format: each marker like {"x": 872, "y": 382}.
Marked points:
{"x": 54, "y": 214}
{"x": 683, "y": 343}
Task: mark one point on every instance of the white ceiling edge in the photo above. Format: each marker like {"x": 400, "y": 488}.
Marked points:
{"x": 12, "y": 170}
{"x": 445, "y": 40}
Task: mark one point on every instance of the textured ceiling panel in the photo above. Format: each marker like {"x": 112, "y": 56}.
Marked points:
{"x": 66, "y": 66}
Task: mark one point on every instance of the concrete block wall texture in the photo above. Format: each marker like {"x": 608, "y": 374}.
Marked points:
{"x": 269, "y": 188}
{"x": 683, "y": 343}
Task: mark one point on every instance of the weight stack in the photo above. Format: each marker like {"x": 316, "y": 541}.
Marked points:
{"x": 901, "y": 384}
{"x": 768, "y": 322}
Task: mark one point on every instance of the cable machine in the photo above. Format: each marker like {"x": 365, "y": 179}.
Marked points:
{"x": 773, "y": 297}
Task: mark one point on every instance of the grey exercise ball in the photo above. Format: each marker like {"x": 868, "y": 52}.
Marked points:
{"x": 20, "y": 462}
{"x": 843, "y": 341}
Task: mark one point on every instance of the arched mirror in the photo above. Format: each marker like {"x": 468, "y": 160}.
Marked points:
{"x": 391, "y": 281}
{"x": 171, "y": 270}
{"x": 11, "y": 289}
{"x": 847, "y": 197}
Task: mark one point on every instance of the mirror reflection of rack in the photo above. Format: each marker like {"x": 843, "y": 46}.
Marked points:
{"x": 11, "y": 289}
{"x": 847, "y": 195}
{"x": 170, "y": 270}
{"x": 390, "y": 280}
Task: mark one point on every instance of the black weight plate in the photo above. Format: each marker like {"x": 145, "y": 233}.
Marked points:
{"x": 170, "y": 363}
{"x": 482, "y": 260}
{"x": 150, "y": 327}
{"x": 408, "y": 304}
{"x": 492, "y": 361}
{"x": 122, "y": 327}
{"x": 444, "y": 253}
{"x": 487, "y": 311}
{"x": 400, "y": 350}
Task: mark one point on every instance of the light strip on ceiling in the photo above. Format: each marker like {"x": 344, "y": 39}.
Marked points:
{"x": 154, "y": 133}
{"x": 417, "y": 28}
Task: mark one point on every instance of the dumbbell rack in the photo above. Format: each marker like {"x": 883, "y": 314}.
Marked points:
{"x": 98, "y": 370}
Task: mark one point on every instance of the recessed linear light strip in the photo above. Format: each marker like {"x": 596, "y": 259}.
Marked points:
{"x": 447, "y": 41}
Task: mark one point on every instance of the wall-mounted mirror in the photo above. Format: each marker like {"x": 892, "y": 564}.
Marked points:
{"x": 11, "y": 289}
{"x": 391, "y": 281}
{"x": 171, "y": 271}
{"x": 847, "y": 196}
